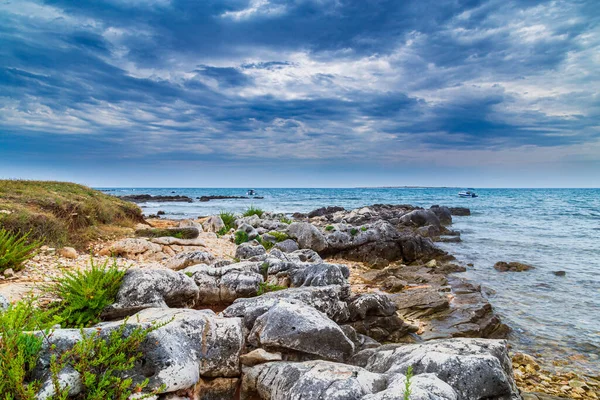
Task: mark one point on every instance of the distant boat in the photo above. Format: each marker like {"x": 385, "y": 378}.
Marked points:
{"x": 251, "y": 192}
{"x": 467, "y": 193}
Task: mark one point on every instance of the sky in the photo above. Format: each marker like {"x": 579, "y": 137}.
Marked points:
{"x": 301, "y": 93}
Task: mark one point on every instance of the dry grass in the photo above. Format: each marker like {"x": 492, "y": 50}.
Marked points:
{"x": 62, "y": 213}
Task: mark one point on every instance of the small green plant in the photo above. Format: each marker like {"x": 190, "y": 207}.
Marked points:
{"x": 82, "y": 295}
{"x": 407, "y": 384}
{"x": 241, "y": 237}
{"x": 268, "y": 245}
{"x": 329, "y": 228}
{"x": 364, "y": 228}
{"x": 104, "y": 363}
{"x": 354, "y": 231}
{"x": 264, "y": 269}
{"x": 15, "y": 250}
{"x": 222, "y": 231}
{"x": 253, "y": 211}
{"x": 285, "y": 220}
{"x": 189, "y": 274}
{"x": 19, "y": 349}
{"x": 279, "y": 236}
{"x": 265, "y": 287}
{"x": 228, "y": 219}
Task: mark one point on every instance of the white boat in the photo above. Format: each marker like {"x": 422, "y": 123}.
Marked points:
{"x": 467, "y": 193}
{"x": 251, "y": 192}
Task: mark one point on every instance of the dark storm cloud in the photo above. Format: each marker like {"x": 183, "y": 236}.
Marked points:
{"x": 326, "y": 78}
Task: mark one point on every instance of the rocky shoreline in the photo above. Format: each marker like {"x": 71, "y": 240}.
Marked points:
{"x": 336, "y": 304}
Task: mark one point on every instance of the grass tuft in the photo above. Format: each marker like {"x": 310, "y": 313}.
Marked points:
{"x": 228, "y": 219}
{"x": 15, "y": 249}
{"x": 329, "y": 228}
{"x": 241, "y": 237}
{"x": 83, "y": 295}
{"x": 253, "y": 211}
{"x": 354, "y": 231}
{"x": 285, "y": 220}
{"x": 265, "y": 287}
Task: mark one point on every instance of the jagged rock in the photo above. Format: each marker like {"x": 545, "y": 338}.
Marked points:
{"x": 316, "y": 380}
{"x": 259, "y": 356}
{"x": 287, "y": 246}
{"x": 512, "y": 266}
{"x": 460, "y": 211}
{"x": 429, "y": 231}
{"x": 319, "y": 212}
{"x": 225, "y": 284}
{"x": 250, "y": 250}
{"x": 318, "y": 275}
{"x": 474, "y": 368}
{"x": 375, "y": 304}
{"x": 296, "y": 326}
{"x": 298, "y": 256}
{"x": 189, "y": 223}
{"x": 191, "y": 344}
{"x": 252, "y": 220}
{"x": 184, "y": 260}
{"x": 170, "y": 241}
{"x": 4, "y": 303}
{"x": 249, "y": 229}
{"x": 307, "y": 236}
{"x": 443, "y": 213}
{"x": 130, "y": 247}
{"x": 361, "y": 342}
{"x": 214, "y": 223}
{"x": 152, "y": 288}
{"x": 327, "y": 299}
{"x": 421, "y": 218}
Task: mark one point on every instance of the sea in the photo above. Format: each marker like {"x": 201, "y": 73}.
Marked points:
{"x": 556, "y": 318}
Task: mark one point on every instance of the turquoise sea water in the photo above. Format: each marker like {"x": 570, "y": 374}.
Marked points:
{"x": 551, "y": 229}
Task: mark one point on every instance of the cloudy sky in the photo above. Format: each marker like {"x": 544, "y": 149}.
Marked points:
{"x": 301, "y": 92}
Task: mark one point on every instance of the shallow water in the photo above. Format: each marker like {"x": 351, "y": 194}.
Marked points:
{"x": 551, "y": 229}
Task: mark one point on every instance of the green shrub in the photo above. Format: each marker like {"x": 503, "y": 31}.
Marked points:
{"x": 241, "y": 237}
{"x": 253, "y": 211}
{"x": 15, "y": 250}
{"x": 104, "y": 364}
{"x": 364, "y": 228}
{"x": 222, "y": 231}
{"x": 19, "y": 350}
{"x": 407, "y": 384}
{"x": 82, "y": 295}
{"x": 179, "y": 233}
{"x": 354, "y": 231}
{"x": 279, "y": 236}
{"x": 264, "y": 269}
{"x": 268, "y": 245}
{"x": 285, "y": 220}
{"x": 329, "y": 228}
{"x": 228, "y": 219}
{"x": 265, "y": 287}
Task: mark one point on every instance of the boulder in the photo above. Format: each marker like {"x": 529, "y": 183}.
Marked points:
{"x": 327, "y": 299}
{"x": 297, "y": 256}
{"x": 189, "y": 223}
{"x": 250, "y": 250}
{"x": 460, "y": 211}
{"x": 4, "y": 303}
{"x": 249, "y": 229}
{"x": 301, "y": 328}
{"x": 307, "y": 236}
{"x": 512, "y": 266}
{"x": 421, "y": 218}
{"x": 322, "y": 274}
{"x": 474, "y": 368}
{"x": 443, "y": 213}
{"x": 213, "y": 224}
{"x": 184, "y": 260}
{"x": 225, "y": 284}
{"x": 130, "y": 247}
{"x": 287, "y": 246}
{"x": 316, "y": 380}
{"x": 152, "y": 288}
{"x": 188, "y": 345}
{"x": 259, "y": 356}
{"x": 319, "y": 212}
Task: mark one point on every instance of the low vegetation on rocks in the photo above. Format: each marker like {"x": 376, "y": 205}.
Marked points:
{"x": 241, "y": 237}
{"x": 15, "y": 249}
{"x": 61, "y": 213}
{"x": 253, "y": 211}
{"x": 228, "y": 219}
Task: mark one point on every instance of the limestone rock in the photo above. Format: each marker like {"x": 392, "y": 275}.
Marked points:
{"x": 307, "y": 236}
{"x": 287, "y": 246}
{"x": 298, "y": 327}
{"x": 421, "y": 218}
{"x": 189, "y": 258}
{"x": 322, "y": 274}
{"x": 443, "y": 213}
{"x": 4, "y": 303}
{"x": 152, "y": 288}
{"x": 250, "y": 250}
{"x": 259, "y": 356}
{"x": 213, "y": 224}
{"x": 249, "y": 229}
{"x": 131, "y": 247}
{"x": 68, "y": 252}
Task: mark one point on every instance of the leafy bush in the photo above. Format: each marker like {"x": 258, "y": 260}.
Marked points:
{"x": 82, "y": 295}
{"x": 265, "y": 287}
{"x": 15, "y": 250}
{"x": 354, "y": 231}
{"x": 253, "y": 211}
{"x": 241, "y": 237}
{"x": 104, "y": 363}
{"x": 19, "y": 350}
{"x": 329, "y": 228}
{"x": 228, "y": 219}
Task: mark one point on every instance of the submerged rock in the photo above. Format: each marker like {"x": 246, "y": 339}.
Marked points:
{"x": 512, "y": 266}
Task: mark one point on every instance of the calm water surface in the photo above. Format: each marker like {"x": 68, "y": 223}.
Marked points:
{"x": 551, "y": 229}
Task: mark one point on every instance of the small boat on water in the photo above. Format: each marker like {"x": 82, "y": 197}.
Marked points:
{"x": 251, "y": 192}
{"x": 467, "y": 193}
